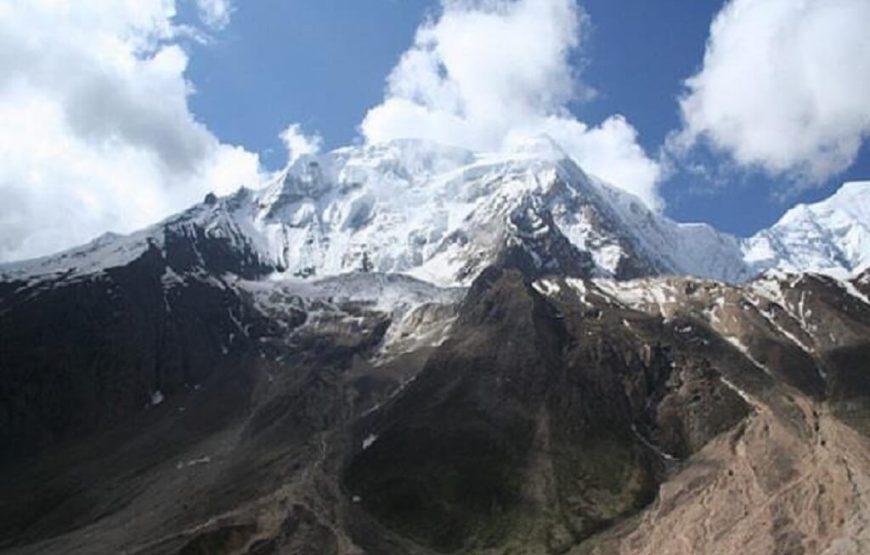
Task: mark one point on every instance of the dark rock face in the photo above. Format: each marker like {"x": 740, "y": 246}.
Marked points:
{"x": 862, "y": 282}
{"x": 450, "y": 453}
{"x": 79, "y": 355}
{"x": 241, "y": 422}
{"x": 190, "y": 248}
{"x": 536, "y": 247}
{"x": 531, "y": 419}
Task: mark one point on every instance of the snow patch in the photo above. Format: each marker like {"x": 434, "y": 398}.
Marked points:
{"x": 745, "y": 350}
{"x": 192, "y": 462}
{"x": 369, "y": 441}
{"x": 547, "y": 287}
{"x": 655, "y": 448}
{"x": 850, "y": 288}
{"x": 156, "y": 397}
{"x": 750, "y": 400}
{"x": 771, "y": 319}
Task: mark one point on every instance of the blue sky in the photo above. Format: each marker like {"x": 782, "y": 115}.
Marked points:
{"x": 118, "y": 114}
{"x": 324, "y": 63}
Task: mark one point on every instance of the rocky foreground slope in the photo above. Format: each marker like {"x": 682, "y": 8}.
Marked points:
{"x": 537, "y": 379}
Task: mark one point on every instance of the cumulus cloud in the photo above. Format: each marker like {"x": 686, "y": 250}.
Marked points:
{"x": 97, "y": 134}
{"x": 783, "y": 86}
{"x": 486, "y": 72}
{"x": 298, "y": 143}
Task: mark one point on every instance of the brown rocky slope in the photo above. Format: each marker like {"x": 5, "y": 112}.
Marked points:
{"x": 535, "y": 414}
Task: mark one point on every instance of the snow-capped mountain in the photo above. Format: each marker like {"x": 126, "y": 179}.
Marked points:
{"x": 832, "y": 236}
{"x": 434, "y": 212}
{"x": 283, "y": 370}
{"x": 441, "y": 214}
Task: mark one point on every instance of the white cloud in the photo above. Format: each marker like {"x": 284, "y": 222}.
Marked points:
{"x": 97, "y": 134}
{"x": 215, "y": 13}
{"x": 298, "y": 143}
{"x": 784, "y": 86}
{"x": 487, "y": 71}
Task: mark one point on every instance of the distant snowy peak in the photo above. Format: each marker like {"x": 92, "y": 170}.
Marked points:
{"x": 831, "y": 236}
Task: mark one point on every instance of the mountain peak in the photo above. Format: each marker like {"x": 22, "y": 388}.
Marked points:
{"x": 541, "y": 147}
{"x": 831, "y": 236}
{"x": 850, "y": 201}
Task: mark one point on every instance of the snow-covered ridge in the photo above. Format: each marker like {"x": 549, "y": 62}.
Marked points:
{"x": 441, "y": 214}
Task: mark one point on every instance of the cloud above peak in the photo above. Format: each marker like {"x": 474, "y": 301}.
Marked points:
{"x": 298, "y": 143}
{"x": 485, "y": 74}
{"x": 97, "y": 132}
{"x": 783, "y": 86}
